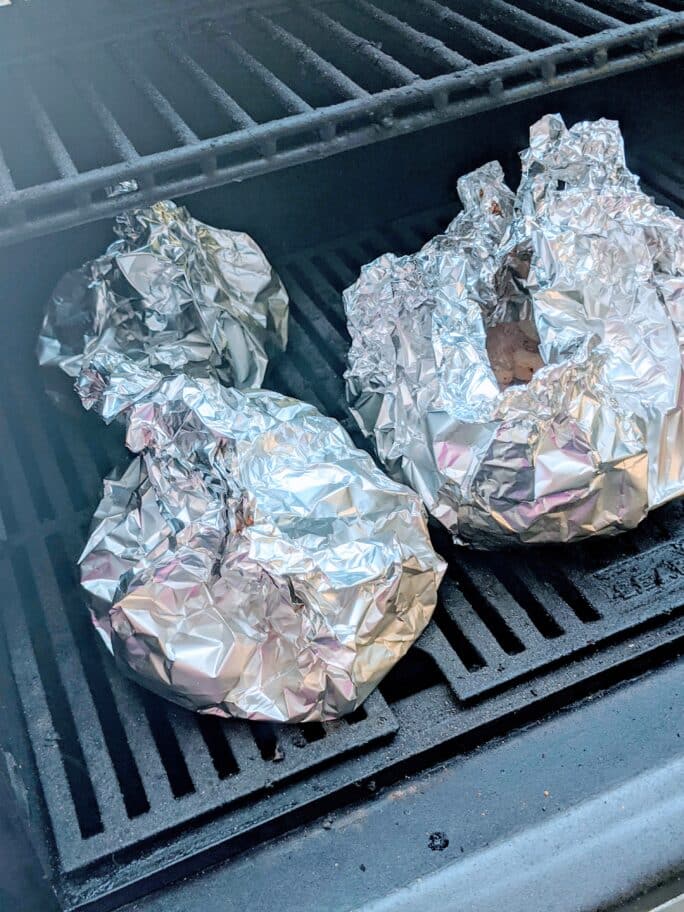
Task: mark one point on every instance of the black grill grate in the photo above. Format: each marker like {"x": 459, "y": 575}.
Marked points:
{"x": 222, "y": 92}
{"x": 123, "y": 772}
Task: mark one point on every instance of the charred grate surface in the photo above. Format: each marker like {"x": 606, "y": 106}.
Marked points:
{"x": 120, "y": 771}
{"x": 183, "y": 96}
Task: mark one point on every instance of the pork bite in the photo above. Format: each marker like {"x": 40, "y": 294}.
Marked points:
{"x": 513, "y": 350}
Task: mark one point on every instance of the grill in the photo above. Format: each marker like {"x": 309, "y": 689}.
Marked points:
{"x": 136, "y": 790}
{"x": 123, "y": 791}
{"x": 183, "y": 96}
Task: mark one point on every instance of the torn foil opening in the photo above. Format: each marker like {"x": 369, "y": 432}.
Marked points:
{"x": 586, "y": 435}
{"x": 250, "y": 561}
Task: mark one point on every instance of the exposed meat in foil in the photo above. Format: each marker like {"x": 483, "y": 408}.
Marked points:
{"x": 595, "y": 438}
{"x": 250, "y": 561}
{"x": 513, "y": 351}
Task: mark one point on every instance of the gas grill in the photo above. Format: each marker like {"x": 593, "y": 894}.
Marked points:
{"x": 557, "y": 653}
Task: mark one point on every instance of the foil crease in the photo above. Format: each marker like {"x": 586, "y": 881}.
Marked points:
{"x": 596, "y": 439}
{"x": 249, "y": 561}
{"x": 170, "y": 294}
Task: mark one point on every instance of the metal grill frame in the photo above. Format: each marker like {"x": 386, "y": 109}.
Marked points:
{"x": 80, "y": 197}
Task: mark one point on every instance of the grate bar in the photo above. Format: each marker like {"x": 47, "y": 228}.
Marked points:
{"x": 6, "y": 182}
{"x": 79, "y": 706}
{"x": 182, "y": 132}
{"x": 575, "y": 9}
{"x": 528, "y": 21}
{"x": 277, "y": 88}
{"x": 426, "y": 43}
{"x": 200, "y": 767}
{"x": 51, "y": 138}
{"x": 216, "y": 92}
{"x": 303, "y": 52}
{"x": 498, "y": 609}
{"x": 242, "y": 745}
{"x": 469, "y": 623}
{"x": 122, "y": 144}
{"x": 34, "y": 698}
{"x": 541, "y": 589}
{"x": 643, "y": 9}
{"x": 449, "y": 662}
{"x": 129, "y": 707}
{"x": 485, "y": 37}
{"x": 330, "y": 334}
{"x": 361, "y": 45}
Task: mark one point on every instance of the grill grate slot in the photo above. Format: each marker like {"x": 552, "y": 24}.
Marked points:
{"x": 430, "y": 47}
{"x": 462, "y": 645}
{"x": 266, "y": 738}
{"x": 542, "y": 619}
{"x": 167, "y": 744}
{"x": 359, "y": 715}
{"x": 488, "y": 611}
{"x": 122, "y": 145}
{"x": 126, "y": 770}
{"x": 318, "y": 66}
{"x": 265, "y": 79}
{"x": 312, "y": 732}
{"x": 359, "y": 46}
{"x": 417, "y": 672}
{"x": 222, "y": 757}
{"x": 476, "y": 35}
{"x": 128, "y": 64}
{"x": 70, "y": 748}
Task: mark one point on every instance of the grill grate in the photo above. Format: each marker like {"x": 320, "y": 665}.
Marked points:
{"x": 226, "y": 94}
{"x": 123, "y": 772}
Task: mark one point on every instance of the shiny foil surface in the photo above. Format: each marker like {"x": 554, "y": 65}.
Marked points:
{"x": 596, "y": 438}
{"x": 170, "y": 294}
{"x": 250, "y": 561}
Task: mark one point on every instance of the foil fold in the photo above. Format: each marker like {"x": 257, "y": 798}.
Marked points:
{"x": 596, "y": 438}
{"x": 170, "y": 294}
{"x": 249, "y": 561}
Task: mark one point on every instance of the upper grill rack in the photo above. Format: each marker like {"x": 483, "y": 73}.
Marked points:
{"x": 220, "y": 95}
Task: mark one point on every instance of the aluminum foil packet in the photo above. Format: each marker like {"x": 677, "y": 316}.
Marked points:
{"x": 250, "y": 561}
{"x": 595, "y": 439}
{"x": 170, "y": 294}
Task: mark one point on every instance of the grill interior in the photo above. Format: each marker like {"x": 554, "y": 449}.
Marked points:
{"x": 183, "y": 96}
{"x": 125, "y": 790}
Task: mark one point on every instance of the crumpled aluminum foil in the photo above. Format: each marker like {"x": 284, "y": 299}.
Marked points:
{"x": 250, "y": 561}
{"x": 596, "y": 439}
{"x": 170, "y": 294}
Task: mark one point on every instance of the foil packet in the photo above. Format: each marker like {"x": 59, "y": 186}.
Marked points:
{"x": 170, "y": 294}
{"x": 250, "y": 561}
{"x": 595, "y": 439}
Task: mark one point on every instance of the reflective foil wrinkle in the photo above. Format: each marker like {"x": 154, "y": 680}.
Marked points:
{"x": 596, "y": 439}
{"x": 250, "y": 561}
{"x": 170, "y": 294}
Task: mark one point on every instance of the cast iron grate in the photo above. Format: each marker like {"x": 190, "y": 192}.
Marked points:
{"x": 136, "y": 789}
{"x": 184, "y": 96}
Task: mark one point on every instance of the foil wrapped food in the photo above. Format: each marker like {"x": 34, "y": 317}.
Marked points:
{"x": 170, "y": 294}
{"x": 250, "y": 561}
{"x": 595, "y": 439}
